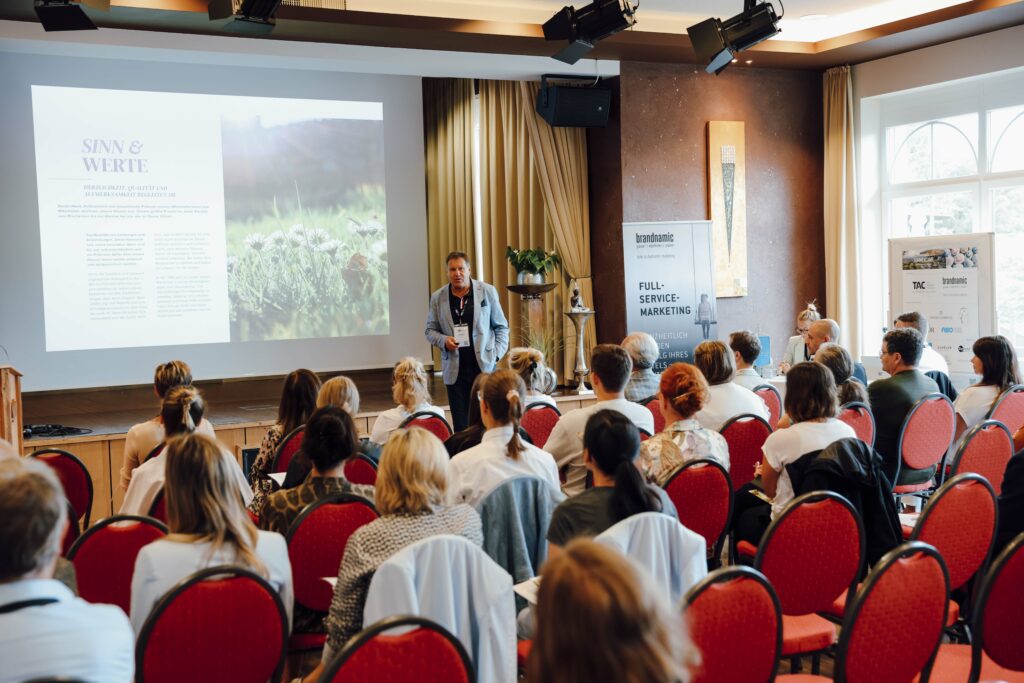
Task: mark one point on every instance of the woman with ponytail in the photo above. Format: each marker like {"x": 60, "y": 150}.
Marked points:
{"x": 502, "y": 454}
{"x": 208, "y": 526}
{"x": 181, "y": 412}
{"x": 611, "y": 443}
{"x": 528, "y": 363}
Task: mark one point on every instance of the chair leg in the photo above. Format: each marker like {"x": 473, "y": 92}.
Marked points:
{"x": 816, "y": 664}
{"x": 796, "y": 665}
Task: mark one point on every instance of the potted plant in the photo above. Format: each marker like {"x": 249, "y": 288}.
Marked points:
{"x": 532, "y": 264}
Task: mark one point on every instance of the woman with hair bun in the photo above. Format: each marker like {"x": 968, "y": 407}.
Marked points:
{"x": 528, "y": 363}
{"x": 796, "y": 349}
{"x": 840, "y": 362}
{"x": 683, "y": 392}
{"x": 411, "y": 394}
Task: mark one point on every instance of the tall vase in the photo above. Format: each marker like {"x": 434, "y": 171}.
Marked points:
{"x": 579, "y": 320}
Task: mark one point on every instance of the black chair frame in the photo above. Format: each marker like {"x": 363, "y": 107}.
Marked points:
{"x": 743, "y": 417}
{"x": 978, "y": 611}
{"x": 542, "y": 406}
{"x": 965, "y": 439}
{"x": 84, "y": 516}
{"x": 1016, "y": 388}
{"x": 701, "y": 462}
{"x": 103, "y": 523}
{"x": 861, "y": 406}
{"x": 424, "y": 414}
{"x": 156, "y": 501}
{"x": 927, "y": 398}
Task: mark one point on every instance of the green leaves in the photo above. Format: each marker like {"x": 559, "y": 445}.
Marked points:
{"x": 535, "y": 261}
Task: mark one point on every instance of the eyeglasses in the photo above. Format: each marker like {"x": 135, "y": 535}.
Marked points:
{"x": 803, "y": 331}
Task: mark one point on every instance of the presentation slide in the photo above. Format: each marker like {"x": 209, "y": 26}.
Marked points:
{"x": 170, "y": 218}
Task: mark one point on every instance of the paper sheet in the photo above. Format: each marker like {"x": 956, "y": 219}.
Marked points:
{"x": 528, "y": 589}
{"x": 278, "y": 477}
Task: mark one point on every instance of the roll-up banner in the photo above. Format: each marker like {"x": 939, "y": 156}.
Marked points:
{"x": 670, "y": 285}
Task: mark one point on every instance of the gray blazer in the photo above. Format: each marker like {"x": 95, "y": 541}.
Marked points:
{"x": 490, "y": 329}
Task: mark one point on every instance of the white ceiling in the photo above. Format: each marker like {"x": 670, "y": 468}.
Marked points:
{"x": 673, "y": 16}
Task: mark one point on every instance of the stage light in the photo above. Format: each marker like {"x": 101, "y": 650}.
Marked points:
{"x": 252, "y": 17}
{"x": 584, "y": 27}
{"x": 64, "y": 15}
{"x": 716, "y": 42}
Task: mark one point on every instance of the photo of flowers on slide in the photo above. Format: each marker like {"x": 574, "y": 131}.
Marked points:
{"x": 306, "y": 226}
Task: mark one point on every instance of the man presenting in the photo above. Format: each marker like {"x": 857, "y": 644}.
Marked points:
{"x": 466, "y": 322}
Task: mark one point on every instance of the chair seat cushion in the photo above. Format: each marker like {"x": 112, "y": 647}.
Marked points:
{"x": 300, "y": 642}
{"x": 523, "y": 652}
{"x": 907, "y": 531}
{"x": 838, "y": 609}
{"x": 913, "y": 488}
{"x": 800, "y": 678}
{"x": 806, "y": 633}
{"x": 953, "y": 665}
{"x": 746, "y": 548}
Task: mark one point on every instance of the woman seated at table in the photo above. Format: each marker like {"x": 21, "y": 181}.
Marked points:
{"x": 409, "y": 390}
{"x": 726, "y": 399}
{"x": 208, "y": 526}
{"x": 995, "y": 360}
{"x": 796, "y": 348}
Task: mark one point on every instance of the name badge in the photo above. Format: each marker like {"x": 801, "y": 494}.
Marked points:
{"x": 462, "y": 335}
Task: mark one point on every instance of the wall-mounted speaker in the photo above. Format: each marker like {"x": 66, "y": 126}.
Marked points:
{"x": 574, "y": 106}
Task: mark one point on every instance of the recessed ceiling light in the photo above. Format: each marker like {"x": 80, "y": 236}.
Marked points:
{"x": 813, "y": 17}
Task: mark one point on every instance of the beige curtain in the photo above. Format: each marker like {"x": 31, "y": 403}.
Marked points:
{"x": 842, "y": 267}
{"x": 448, "y": 140}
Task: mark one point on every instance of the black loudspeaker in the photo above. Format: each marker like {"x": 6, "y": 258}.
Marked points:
{"x": 579, "y": 107}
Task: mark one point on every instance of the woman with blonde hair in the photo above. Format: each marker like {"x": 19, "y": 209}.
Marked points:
{"x": 528, "y": 363}
{"x": 601, "y": 618}
{"x": 341, "y": 392}
{"x": 726, "y": 399}
{"x": 796, "y": 348}
{"x": 410, "y": 494}
{"x": 502, "y": 454}
{"x": 411, "y": 393}
{"x": 145, "y": 436}
{"x": 208, "y": 526}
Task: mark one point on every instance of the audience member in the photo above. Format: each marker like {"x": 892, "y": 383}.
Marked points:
{"x": 208, "y": 526}
{"x": 601, "y": 618}
{"x": 610, "y": 368}
{"x": 893, "y": 397}
{"x": 826, "y": 331}
{"x": 746, "y": 347}
{"x": 45, "y": 631}
{"x": 930, "y": 358}
{"x": 409, "y": 390}
{"x": 611, "y": 444}
{"x": 472, "y": 435}
{"x": 501, "y": 454}
{"x": 1011, "y": 504}
{"x": 528, "y": 363}
{"x": 684, "y": 392}
{"x": 995, "y": 362}
{"x": 838, "y": 360}
{"x": 182, "y": 410}
{"x": 298, "y": 401}
{"x": 812, "y": 405}
{"x": 643, "y": 351}
{"x": 145, "y": 436}
{"x": 726, "y": 399}
{"x": 340, "y": 392}
{"x": 411, "y": 489}
{"x": 796, "y": 348}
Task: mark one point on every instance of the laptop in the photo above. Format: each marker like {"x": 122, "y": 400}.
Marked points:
{"x": 873, "y": 368}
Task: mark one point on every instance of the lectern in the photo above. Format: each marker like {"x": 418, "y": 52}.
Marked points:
{"x": 10, "y": 401}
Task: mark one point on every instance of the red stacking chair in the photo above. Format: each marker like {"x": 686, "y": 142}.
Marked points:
{"x": 361, "y": 469}
{"x": 1009, "y": 408}
{"x": 428, "y": 653}
{"x": 895, "y": 622}
{"x": 653, "y": 404}
{"x": 924, "y": 439}
{"x": 811, "y": 553}
{"x": 74, "y": 477}
{"x": 221, "y": 625}
{"x": 104, "y": 557}
{"x": 158, "y": 508}
{"x": 771, "y": 397}
{"x": 71, "y": 534}
{"x": 745, "y": 434}
{"x": 702, "y": 494}
{"x": 858, "y": 416}
{"x": 287, "y": 449}
{"x": 538, "y": 421}
{"x": 986, "y": 449}
{"x": 316, "y": 545}
{"x": 735, "y": 620}
{"x": 995, "y": 653}
{"x": 432, "y": 422}
{"x": 644, "y": 434}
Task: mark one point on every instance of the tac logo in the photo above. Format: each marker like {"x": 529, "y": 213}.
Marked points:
{"x": 918, "y": 285}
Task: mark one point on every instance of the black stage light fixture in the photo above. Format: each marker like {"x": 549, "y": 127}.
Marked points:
{"x": 716, "y": 42}
{"x": 585, "y": 26}
{"x": 251, "y": 17}
{"x": 64, "y": 15}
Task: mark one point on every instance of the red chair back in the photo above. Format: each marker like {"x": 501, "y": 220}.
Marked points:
{"x": 653, "y": 404}
{"x": 745, "y": 434}
{"x": 735, "y": 620}
{"x": 428, "y": 653}
{"x": 432, "y": 422}
{"x": 812, "y": 552}
{"x": 1000, "y": 604}
{"x": 858, "y": 416}
{"x": 220, "y": 624}
{"x": 893, "y": 626}
{"x": 986, "y": 449}
{"x": 927, "y": 432}
{"x": 104, "y": 557}
{"x": 360, "y": 469}
{"x": 287, "y": 449}
{"x": 702, "y": 494}
{"x": 158, "y": 508}
{"x": 316, "y": 544}
{"x": 538, "y": 421}
{"x": 644, "y": 434}
{"x": 1009, "y": 408}
{"x": 74, "y": 477}
{"x": 771, "y": 397}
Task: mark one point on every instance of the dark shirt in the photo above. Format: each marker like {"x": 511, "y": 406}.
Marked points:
{"x": 1011, "y": 504}
{"x": 891, "y": 399}
{"x": 590, "y": 513}
{"x": 462, "y": 314}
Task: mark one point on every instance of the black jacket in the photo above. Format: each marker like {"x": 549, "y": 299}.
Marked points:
{"x": 1011, "y": 503}
{"x": 853, "y": 469}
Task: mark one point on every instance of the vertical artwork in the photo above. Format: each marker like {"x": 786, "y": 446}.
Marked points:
{"x": 727, "y": 198}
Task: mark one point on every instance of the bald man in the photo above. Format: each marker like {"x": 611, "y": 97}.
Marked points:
{"x": 825, "y": 331}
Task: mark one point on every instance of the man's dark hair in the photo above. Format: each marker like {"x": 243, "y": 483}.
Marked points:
{"x": 905, "y": 341}
{"x": 917, "y": 320}
{"x": 612, "y": 364}
{"x": 746, "y": 344}
{"x": 452, "y": 255}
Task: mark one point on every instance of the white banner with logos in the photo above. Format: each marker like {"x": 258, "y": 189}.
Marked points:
{"x": 670, "y": 285}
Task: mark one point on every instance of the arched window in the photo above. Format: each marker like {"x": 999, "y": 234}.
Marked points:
{"x": 932, "y": 150}
{"x": 1006, "y": 139}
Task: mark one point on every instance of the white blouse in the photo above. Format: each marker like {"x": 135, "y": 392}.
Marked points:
{"x": 143, "y": 438}
{"x": 726, "y": 401}
{"x": 389, "y": 420}
{"x": 974, "y": 402}
{"x": 786, "y": 446}
{"x": 475, "y": 471}
{"x": 148, "y": 480}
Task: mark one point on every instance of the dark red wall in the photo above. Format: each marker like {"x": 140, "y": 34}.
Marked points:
{"x": 657, "y": 140}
